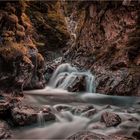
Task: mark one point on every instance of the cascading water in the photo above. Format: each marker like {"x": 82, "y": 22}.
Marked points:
{"x": 70, "y": 116}
{"x": 65, "y": 75}
{"x": 41, "y": 120}
{"x": 61, "y": 70}
{"x": 67, "y": 121}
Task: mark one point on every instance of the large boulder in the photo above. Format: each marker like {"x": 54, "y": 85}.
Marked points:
{"x": 25, "y": 115}
{"x": 110, "y": 119}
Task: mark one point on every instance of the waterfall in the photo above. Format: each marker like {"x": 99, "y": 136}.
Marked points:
{"x": 66, "y": 75}
{"x": 90, "y": 83}
{"x": 62, "y": 69}
{"x": 41, "y": 120}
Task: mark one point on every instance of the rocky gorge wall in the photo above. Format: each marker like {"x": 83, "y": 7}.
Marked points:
{"x": 27, "y": 29}
{"x": 21, "y": 64}
{"x": 107, "y": 43}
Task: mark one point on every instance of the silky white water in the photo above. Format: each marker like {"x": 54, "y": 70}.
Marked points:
{"x": 41, "y": 120}
{"x": 68, "y": 122}
{"x": 63, "y": 77}
{"x": 56, "y": 95}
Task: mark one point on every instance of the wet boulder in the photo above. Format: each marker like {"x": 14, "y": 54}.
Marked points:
{"x": 78, "y": 85}
{"x": 7, "y": 103}
{"x": 136, "y": 134}
{"x": 110, "y": 119}
{"x": 24, "y": 115}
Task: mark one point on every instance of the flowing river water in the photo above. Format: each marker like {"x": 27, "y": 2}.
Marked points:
{"x": 79, "y": 110}
{"x": 74, "y": 115}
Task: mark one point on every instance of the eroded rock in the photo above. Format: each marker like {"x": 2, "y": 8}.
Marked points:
{"x": 110, "y": 119}
{"x": 24, "y": 115}
{"x": 108, "y": 44}
{"x": 21, "y": 65}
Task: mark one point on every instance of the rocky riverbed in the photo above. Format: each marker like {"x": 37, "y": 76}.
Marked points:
{"x": 81, "y": 117}
{"x": 71, "y": 51}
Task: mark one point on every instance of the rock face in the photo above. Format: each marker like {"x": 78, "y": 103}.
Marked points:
{"x": 104, "y": 39}
{"x": 21, "y": 65}
{"x": 107, "y": 42}
{"x": 49, "y": 23}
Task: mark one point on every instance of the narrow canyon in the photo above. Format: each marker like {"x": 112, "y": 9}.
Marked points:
{"x": 70, "y": 66}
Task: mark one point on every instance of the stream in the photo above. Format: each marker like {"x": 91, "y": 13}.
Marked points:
{"x": 78, "y": 111}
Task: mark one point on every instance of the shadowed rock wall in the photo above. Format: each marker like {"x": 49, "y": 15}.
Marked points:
{"x": 108, "y": 38}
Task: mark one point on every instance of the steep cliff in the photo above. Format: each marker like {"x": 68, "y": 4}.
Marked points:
{"x": 20, "y": 63}
{"x": 107, "y": 43}
{"x": 28, "y": 28}
{"x": 104, "y": 37}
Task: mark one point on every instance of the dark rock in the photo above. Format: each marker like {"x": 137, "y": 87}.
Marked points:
{"x": 114, "y": 82}
{"x": 108, "y": 45}
{"x": 21, "y": 65}
{"x": 4, "y": 108}
{"x": 136, "y": 134}
{"x": 24, "y": 115}
{"x": 7, "y": 103}
{"x": 110, "y": 119}
{"x": 88, "y": 135}
{"x": 4, "y": 130}
{"x": 78, "y": 85}
{"x": 120, "y": 137}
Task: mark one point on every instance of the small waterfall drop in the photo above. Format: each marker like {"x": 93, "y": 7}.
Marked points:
{"x": 66, "y": 75}
{"x": 41, "y": 120}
